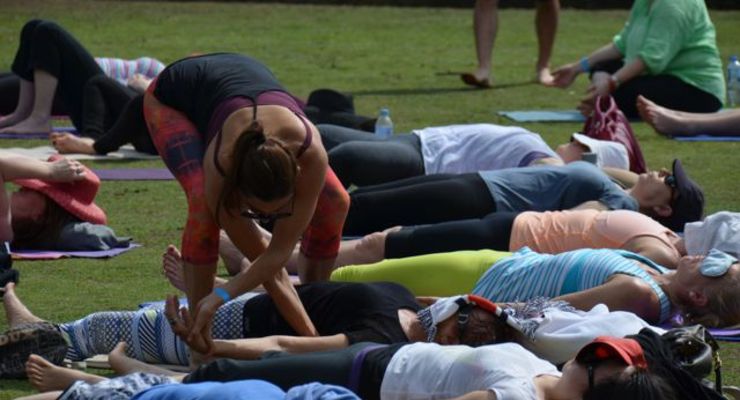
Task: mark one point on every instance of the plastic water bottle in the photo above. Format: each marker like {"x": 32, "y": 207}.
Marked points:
{"x": 384, "y": 125}
{"x": 733, "y": 82}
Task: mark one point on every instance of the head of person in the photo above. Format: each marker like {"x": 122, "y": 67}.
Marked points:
{"x": 261, "y": 181}
{"x": 608, "y": 153}
{"x": 39, "y": 209}
{"x": 670, "y": 197}
{"x": 468, "y": 319}
{"x": 706, "y": 289}
{"x": 611, "y": 368}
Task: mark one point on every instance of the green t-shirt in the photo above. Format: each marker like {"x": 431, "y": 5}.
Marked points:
{"x": 674, "y": 37}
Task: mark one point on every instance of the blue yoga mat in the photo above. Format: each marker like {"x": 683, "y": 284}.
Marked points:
{"x": 544, "y": 116}
{"x": 707, "y": 138}
{"x": 37, "y": 135}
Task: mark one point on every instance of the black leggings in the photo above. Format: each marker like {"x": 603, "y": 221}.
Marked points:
{"x": 288, "y": 370}
{"x": 114, "y": 116}
{"x": 491, "y": 232}
{"x": 10, "y": 85}
{"x": 361, "y": 158}
{"x": 419, "y": 200}
{"x": 47, "y": 46}
{"x": 665, "y": 90}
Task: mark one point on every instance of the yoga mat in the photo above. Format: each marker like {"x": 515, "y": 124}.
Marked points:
{"x": 544, "y": 116}
{"x": 37, "y": 135}
{"x": 707, "y": 138}
{"x": 43, "y": 152}
{"x": 53, "y": 254}
{"x": 134, "y": 174}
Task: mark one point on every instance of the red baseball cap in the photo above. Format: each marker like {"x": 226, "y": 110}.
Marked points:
{"x": 78, "y": 197}
{"x": 607, "y": 347}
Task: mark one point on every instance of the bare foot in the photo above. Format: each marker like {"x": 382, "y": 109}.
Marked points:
{"x": 45, "y": 376}
{"x": 544, "y": 77}
{"x": 124, "y": 365}
{"x": 172, "y": 267}
{"x": 66, "y": 143}
{"x": 12, "y": 119}
{"x": 371, "y": 248}
{"x": 30, "y": 125}
{"x": 663, "y": 120}
{"x": 16, "y": 312}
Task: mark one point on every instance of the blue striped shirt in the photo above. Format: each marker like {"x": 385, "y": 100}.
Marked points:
{"x": 527, "y": 274}
{"x": 121, "y": 70}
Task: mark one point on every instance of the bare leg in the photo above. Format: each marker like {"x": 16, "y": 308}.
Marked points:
{"x": 124, "y": 365}
{"x": 546, "y": 26}
{"x": 16, "y": 312}
{"x": 53, "y": 395}
{"x": 370, "y": 249}
{"x": 234, "y": 260}
{"x": 66, "y": 143}
{"x": 679, "y": 123}
{"x": 45, "y": 85}
{"x": 24, "y": 106}
{"x": 45, "y": 376}
{"x": 485, "y": 27}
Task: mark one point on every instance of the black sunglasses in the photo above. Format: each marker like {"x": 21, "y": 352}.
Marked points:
{"x": 670, "y": 180}
{"x": 269, "y": 217}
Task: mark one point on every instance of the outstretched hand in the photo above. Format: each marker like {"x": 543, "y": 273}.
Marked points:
{"x": 66, "y": 170}
{"x": 180, "y": 322}
{"x": 565, "y": 75}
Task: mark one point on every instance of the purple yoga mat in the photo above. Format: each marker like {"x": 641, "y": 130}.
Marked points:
{"x": 134, "y": 174}
{"x": 53, "y": 255}
{"x": 37, "y": 135}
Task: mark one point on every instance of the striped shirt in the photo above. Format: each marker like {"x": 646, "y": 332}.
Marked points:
{"x": 527, "y": 274}
{"x": 121, "y": 70}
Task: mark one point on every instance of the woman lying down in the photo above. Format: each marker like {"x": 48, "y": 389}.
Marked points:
{"x": 637, "y": 367}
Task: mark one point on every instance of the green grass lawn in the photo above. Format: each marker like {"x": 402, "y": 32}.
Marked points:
{"x": 402, "y": 58}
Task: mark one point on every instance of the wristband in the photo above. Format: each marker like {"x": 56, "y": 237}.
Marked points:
{"x": 222, "y": 293}
{"x": 585, "y": 66}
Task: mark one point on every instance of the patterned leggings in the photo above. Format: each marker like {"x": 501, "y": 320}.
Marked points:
{"x": 146, "y": 331}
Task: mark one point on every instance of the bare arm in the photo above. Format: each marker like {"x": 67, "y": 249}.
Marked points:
{"x": 591, "y": 205}
{"x": 622, "y": 292}
{"x": 477, "y": 395}
{"x": 565, "y": 75}
{"x": 251, "y": 349}
{"x": 627, "y": 178}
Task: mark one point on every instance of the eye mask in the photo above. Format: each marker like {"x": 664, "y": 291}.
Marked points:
{"x": 716, "y": 263}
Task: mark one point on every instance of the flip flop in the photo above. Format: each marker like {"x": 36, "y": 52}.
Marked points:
{"x": 471, "y": 80}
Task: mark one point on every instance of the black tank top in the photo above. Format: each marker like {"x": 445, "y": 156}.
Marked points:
{"x": 197, "y": 85}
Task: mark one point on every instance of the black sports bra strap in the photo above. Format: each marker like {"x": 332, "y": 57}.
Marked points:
{"x": 307, "y": 141}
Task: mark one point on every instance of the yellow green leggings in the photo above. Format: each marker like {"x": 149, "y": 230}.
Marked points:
{"x": 440, "y": 274}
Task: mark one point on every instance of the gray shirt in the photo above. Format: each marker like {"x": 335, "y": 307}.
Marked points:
{"x": 550, "y": 188}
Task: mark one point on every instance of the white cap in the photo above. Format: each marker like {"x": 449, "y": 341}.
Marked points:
{"x": 719, "y": 231}
{"x": 608, "y": 153}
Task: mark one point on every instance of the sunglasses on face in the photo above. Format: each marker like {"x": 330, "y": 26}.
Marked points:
{"x": 268, "y": 217}
{"x": 670, "y": 180}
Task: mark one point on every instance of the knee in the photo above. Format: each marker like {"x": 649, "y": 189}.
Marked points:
{"x": 46, "y": 30}
{"x": 30, "y": 27}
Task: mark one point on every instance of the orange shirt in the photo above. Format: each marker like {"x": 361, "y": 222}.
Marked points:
{"x": 560, "y": 231}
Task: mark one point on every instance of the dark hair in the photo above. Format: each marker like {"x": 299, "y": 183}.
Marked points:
{"x": 261, "y": 168}
{"x": 31, "y": 233}
{"x": 640, "y": 385}
{"x": 483, "y": 327}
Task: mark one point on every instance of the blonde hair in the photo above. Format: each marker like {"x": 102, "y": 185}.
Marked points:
{"x": 723, "y": 302}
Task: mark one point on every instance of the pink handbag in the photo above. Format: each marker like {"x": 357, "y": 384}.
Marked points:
{"x": 609, "y": 123}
